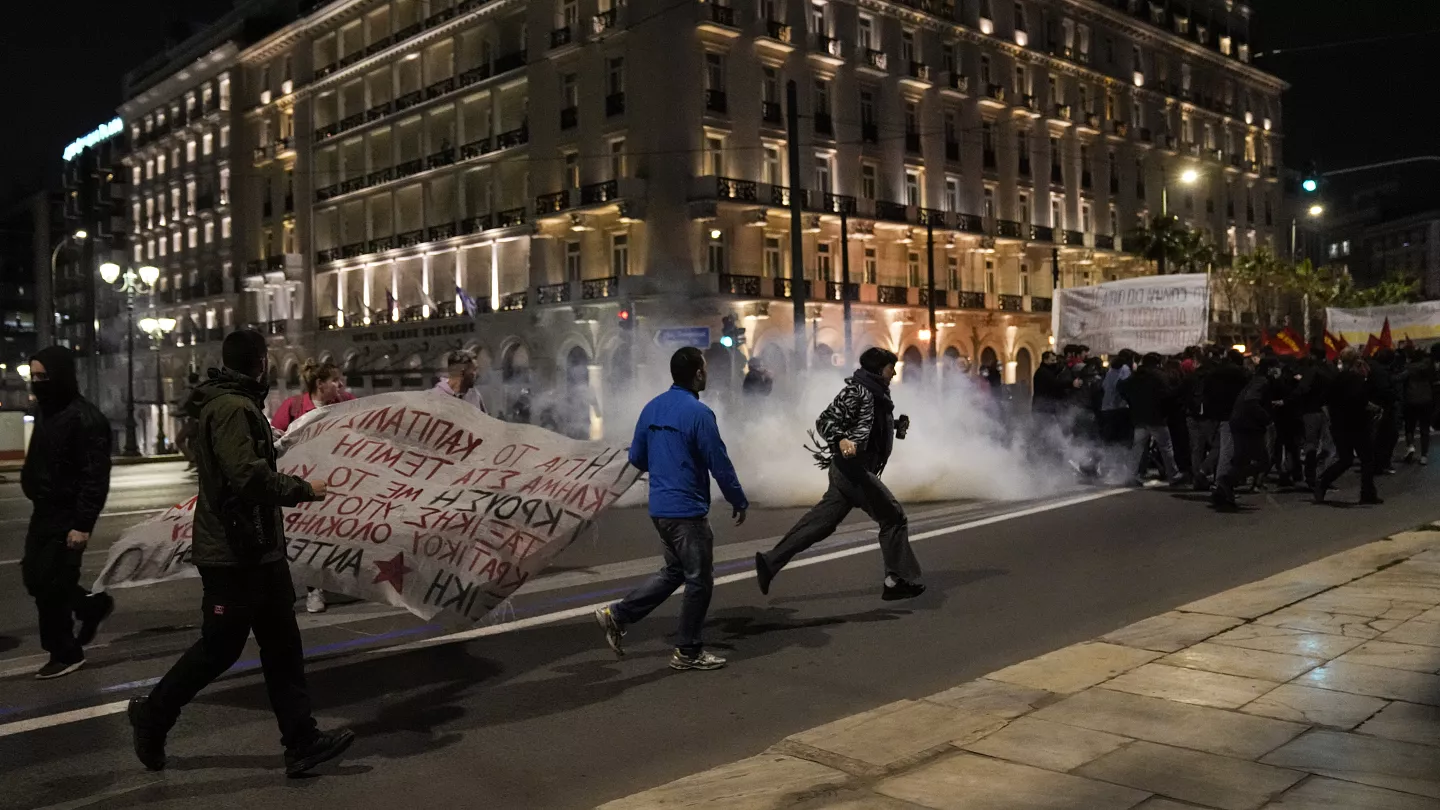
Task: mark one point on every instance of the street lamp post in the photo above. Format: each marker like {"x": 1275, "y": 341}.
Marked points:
{"x": 157, "y": 329}
{"x": 78, "y": 236}
{"x": 131, "y": 283}
{"x": 1188, "y": 177}
{"x": 1315, "y": 211}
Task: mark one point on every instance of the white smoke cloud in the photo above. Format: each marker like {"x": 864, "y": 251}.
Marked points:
{"x": 958, "y": 447}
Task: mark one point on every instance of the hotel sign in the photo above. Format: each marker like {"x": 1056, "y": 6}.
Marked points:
{"x": 103, "y": 132}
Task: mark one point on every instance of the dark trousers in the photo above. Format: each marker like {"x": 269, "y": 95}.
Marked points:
{"x": 239, "y": 600}
{"x": 690, "y": 561}
{"x": 51, "y": 573}
{"x": 1387, "y": 433}
{"x": 1204, "y": 447}
{"x": 1417, "y": 417}
{"x": 852, "y": 486}
{"x": 1313, "y": 438}
{"x": 1351, "y": 444}
{"x": 1248, "y": 457}
{"x": 1289, "y": 437}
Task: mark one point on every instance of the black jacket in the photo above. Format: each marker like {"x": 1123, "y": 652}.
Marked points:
{"x": 1148, "y": 392}
{"x": 1349, "y": 400}
{"x": 1252, "y": 413}
{"x": 67, "y": 467}
{"x": 1420, "y": 382}
{"x": 1310, "y": 394}
{"x": 1221, "y": 387}
{"x": 1052, "y": 387}
{"x": 237, "y": 514}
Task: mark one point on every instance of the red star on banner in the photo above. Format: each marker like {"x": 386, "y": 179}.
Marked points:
{"x": 393, "y": 571}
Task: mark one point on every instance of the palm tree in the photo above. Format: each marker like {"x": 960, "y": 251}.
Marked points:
{"x": 1163, "y": 240}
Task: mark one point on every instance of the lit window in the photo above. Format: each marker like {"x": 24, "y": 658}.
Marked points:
{"x": 135, "y": 175}
{"x": 715, "y": 155}
{"x": 715, "y": 254}
{"x": 868, "y": 183}
{"x": 175, "y": 242}
{"x": 190, "y": 151}
{"x": 572, "y": 261}
{"x": 572, "y": 170}
{"x": 225, "y": 228}
{"x": 620, "y": 255}
{"x": 824, "y": 267}
{"x": 774, "y": 259}
{"x": 207, "y": 143}
{"x": 209, "y": 231}
{"x": 160, "y": 165}
{"x": 871, "y": 266}
{"x": 194, "y": 236}
{"x": 224, "y": 137}
{"x": 912, "y": 188}
{"x": 617, "y": 158}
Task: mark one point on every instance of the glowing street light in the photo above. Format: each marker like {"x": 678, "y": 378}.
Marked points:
{"x": 82, "y": 234}
{"x": 923, "y": 334}
{"x": 1189, "y": 176}
{"x": 1316, "y": 210}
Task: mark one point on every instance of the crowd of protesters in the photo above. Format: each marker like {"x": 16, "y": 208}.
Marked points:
{"x": 1219, "y": 420}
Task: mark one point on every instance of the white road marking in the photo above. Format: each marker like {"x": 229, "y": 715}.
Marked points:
{"x": 104, "y": 710}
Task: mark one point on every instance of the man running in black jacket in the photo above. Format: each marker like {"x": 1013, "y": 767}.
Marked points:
{"x": 67, "y": 477}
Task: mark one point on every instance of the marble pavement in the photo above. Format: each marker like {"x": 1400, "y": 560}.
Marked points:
{"x": 1315, "y": 688}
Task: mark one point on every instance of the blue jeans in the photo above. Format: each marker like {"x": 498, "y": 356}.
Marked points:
{"x": 689, "y": 561}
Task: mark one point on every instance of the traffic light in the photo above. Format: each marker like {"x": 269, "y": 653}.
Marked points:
{"x": 626, "y": 317}
{"x": 730, "y": 334}
{"x": 1310, "y": 180}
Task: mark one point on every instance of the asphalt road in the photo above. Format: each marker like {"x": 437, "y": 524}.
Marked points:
{"x": 542, "y": 715}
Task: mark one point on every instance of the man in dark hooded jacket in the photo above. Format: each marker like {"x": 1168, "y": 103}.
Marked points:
{"x": 67, "y": 478}
{"x": 859, "y": 429}
{"x": 239, "y": 547}
{"x": 1252, "y": 416}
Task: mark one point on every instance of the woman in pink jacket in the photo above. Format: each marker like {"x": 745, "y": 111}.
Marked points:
{"x": 324, "y": 385}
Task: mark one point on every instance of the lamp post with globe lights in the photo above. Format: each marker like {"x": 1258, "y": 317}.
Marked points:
{"x": 1187, "y": 177}
{"x": 157, "y": 329}
{"x": 131, "y": 283}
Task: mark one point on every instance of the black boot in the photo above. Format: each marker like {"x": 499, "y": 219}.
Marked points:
{"x": 323, "y": 748}
{"x": 149, "y": 733}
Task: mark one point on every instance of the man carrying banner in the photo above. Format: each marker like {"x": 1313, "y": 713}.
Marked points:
{"x": 239, "y": 548}
{"x": 678, "y": 443}
{"x": 67, "y": 478}
{"x": 459, "y": 381}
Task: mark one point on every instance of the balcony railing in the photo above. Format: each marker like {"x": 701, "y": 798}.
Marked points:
{"x": 561, "y": 37}
{"x": 780, "y": 195}
{"x": 1105, "y": 241}
{"x": 785, "y": 288}
{"x": 1042, "y": 233}
{"x": 408, "y": 100}
{"x": 969, "y": 223}
{"x": 942, "y": 297}
{"x": 920, "y": 70}
{"x": 604, "y": 21}
{"x": 1074, "y": 239}
{"x": 444, "y": 157}
{"x": 379, "y": 111}
{"x": 437, "y": 233}
{"x": 384, "y": 175}
{"x": 892, "y": 295}
{"x": 724, "y": 15}
{"x": 740, "y": 285}
{"x": 596, "y": 289}
{"x": 828, "y": 45}
{"x": 510, "y": 218}
{"x": 551, "y": 203}
{"x": 512, "y": 302}
{"x": 968, "y": 299}
{"x": 275, "y": 327}
{"x": 409, "y": 239}
{"x": 408, "y": 168}
{"x": 1009, "y": 229}
{"x": 515, "y": 137}
{"x": 777, "y": 30}
{"x": 509, "y": 62}
{"x": 875, "y": 58}
{"x": 553, "y": 293}
{"x": 728, "y": 188}
{"x": 440, "y": 88}
{"x": 381, "y": 244}
{"x": 932, "y": 217}
{"x": 891, "y": 211}
{"x": 614, "y": 104}
{"x": 959, "y": 82}
{"x": 1011, "y": 303}
{"x": 1038, "y": 304}
{"x": 839, "y": 291}
{"x": 475, "y": 224}
{"x": 996, "y": 92}
{"x": 1063, "y": 112}
{"x": 715, "y": 99}
{"x": 601, "y": 192}
{"x": 838, "y": 203}
{"x": 771, "y": 112}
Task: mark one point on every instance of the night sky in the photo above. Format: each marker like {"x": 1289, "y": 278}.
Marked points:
{"x": 61, "y": 62}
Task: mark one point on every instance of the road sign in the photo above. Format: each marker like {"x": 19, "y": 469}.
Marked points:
{"x": 697, "y": 336}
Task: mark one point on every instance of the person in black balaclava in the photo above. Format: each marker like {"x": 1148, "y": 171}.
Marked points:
{"x": 858, "y": 431}
{"x": 67, "y": 479}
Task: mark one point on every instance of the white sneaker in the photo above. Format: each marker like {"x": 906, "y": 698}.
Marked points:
{"x": 314, "y": 601}
{"x": 1424, "y": 460}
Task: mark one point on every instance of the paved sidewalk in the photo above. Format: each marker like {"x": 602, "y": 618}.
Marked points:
{"x": 1314, "y": 688}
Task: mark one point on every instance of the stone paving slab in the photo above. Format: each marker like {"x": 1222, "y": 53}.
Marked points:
{"x": 1314, "y": 689}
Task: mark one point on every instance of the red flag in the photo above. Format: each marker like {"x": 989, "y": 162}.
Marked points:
{"x": 1288, "y": 342}
{"x": 1334, "y": 344}
{"x": 1371, "y": 346}
{"x": 1385, "y": 342}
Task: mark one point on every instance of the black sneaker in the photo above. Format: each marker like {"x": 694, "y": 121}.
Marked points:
{"x": 148, "y": 733}
{"x": 1319, "y": 493}
{"x": 1371, "y": 500}
{"x": 763, "y": 574}
{"x": 55, "y": 668}
{"x": 100, "y": 606}
{"x": 325, "y": 747}
{"x": 901, "y": 590}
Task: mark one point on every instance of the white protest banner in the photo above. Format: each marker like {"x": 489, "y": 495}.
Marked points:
{"x": 1414, "y": 321}
{"x": 1149, "y": 314}
{"x": 432, "y": 506}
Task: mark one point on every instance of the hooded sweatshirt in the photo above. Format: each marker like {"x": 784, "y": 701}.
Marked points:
{"x": 237, "y": 513}
{"x": 67, "y": 466}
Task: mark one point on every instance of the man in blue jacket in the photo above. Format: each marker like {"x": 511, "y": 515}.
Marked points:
{"x": 678, "y": 443}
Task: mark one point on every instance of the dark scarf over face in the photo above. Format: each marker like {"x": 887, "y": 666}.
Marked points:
{"x": 55, "y": 393}
{"x": 882, "y": 432}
